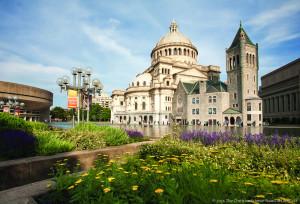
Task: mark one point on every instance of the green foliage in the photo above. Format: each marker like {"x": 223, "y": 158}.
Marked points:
{"x": 59, "y": 112}
{"x": 49, "y": 143}
{"x": 98, "y": 113}
{"x": 91, "y": 136}
{"x": 38, "y": 126}
{"x": 162, "y": 174}
{"x": 9, "y": 122}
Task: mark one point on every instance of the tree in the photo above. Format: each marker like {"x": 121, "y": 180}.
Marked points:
{"x": 95, "y": 112}
{"x": 59, "y": 112}
{"x": 105, "y": 114}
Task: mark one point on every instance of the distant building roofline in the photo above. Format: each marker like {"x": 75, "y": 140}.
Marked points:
{"x": 281, "y": 68}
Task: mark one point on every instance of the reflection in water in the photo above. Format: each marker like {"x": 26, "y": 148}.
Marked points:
{"x": 160, "y": 131}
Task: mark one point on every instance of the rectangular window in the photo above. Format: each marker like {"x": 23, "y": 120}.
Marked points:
{"x": 234, "y": 95}
{"x": 193, "y": 111}
{"x": 248, "y": 106}
{"x": 209, "y": 99}
{"x": 248, "y": 117}
{"x": 210, "y": 111}
{"x": 259, "y": 107}
{"x": 193, "y": 101}
{"x": 214, "y": 99}
{"x": 214, "y": 111}
{"x": 166, "y": 117}
{"x": 121, "y": 103}
{"x": 197, "y": 111}
{"x": 259, "y": 117}
{"x": 197, "y": 101}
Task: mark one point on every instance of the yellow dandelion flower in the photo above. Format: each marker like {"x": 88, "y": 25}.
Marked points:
{"x": 134, "y": 173}
{"x": 259, "y": 196}
{"x": 159, "y": 190}
{"x": 97, "y": 177}
{"x": 161, "y": 161}
{"x": 85, "y": 174}
{"x": 248, "y": 184}
{"x": 134, "y": 187}
{"x": 167, "y": 173}
{"x": 158, "y": 172}
{"x": 282, "y": 199}
{"x": 154, "y": 165}
{"x": 213, "y": 181}
{"x": 126, "y": 172}
{"x": 120, "y": 168}
{"x": 71, "y": 187}
{"x": 78, "y": 181}
{"x": 278, "y": 182}
{"x": 106, "y": 190}
{"x": 111, "y": 161}
{"x": 110, "y": 179}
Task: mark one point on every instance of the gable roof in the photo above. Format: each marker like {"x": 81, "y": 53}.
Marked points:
{"x": 236, "y": 40}
{"x": 215, "y": 86}
{"x": 231, "y": 111}
{"x": 192, "y": 72}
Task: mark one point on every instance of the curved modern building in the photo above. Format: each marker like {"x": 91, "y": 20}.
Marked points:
{"x": 36, "y": 101}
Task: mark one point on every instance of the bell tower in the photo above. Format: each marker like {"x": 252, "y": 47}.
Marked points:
{"x": 242, "y": 71}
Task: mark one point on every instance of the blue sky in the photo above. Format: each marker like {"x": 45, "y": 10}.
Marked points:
{"x": 42, "y": 40}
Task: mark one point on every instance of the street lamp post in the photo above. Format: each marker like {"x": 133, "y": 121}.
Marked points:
{"x": 12, "y": 103}
{"x": 84, "y": 87}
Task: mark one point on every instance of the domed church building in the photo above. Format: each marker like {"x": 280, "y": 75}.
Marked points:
{"x": 163, "y": 93}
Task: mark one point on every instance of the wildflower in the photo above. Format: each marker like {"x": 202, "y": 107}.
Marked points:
{"x": 248, "y": 184}
{"x": 134, "y": 173}
{"x": 158, "y": 172}
{"x": 100, "y": 173}
{"x": 282, "y": 199}
{"x": 259, "y": 196}
{"x": 154, "y": 165}
{"x": 146, "y": 168}
{"x": 126, "y": 172}
{"x": 49, "y": 185}
{"x": 78, "y": 164}
{"x": 213, "y": 181}
{"x": 61, "y": 164}
{"x": 70, "y": 187}
{"x": 159, "y": 190}
{"x": 167, "y": 173}
{"x": 106, "y": 190}
{"x": 85, "y": 174}
{"x": 175, "y": 159}
{"x": 120, "y": 168}
{"x": 161, "y": 161}
{"x": 111, "y": 161}
{"x": 151, "y": 156}
{"x": 65, "y": 159}
{"x": 278, "y": 182}
{"x": 134, "y": 187}
{"x": 68, "y": 171}
{"x": 110, "y": 179}
{"x": 78, "y": 181}
{"x": 97, "y": 177}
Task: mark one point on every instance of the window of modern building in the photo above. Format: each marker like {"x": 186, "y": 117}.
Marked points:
{"x": 248, "y": 117}
{"x": 248, "y": 106}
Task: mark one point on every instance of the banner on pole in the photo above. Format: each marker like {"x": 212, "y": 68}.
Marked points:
{"x": 72, "y": 99}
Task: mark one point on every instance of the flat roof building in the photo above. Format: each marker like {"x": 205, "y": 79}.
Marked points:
{"x": 280, "y": 91}
{"x": 36, "y": 101}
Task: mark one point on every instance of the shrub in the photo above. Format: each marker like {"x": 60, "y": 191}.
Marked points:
{"x": 38, "y": 126}
{"x": 16, "y": 143}
{"x": 9, "y": 122}
{"x": 49, "y": 143}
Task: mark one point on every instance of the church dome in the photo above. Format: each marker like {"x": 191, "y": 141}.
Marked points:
{"x": 174, "y": 44}
{"x": 174, "y": 36}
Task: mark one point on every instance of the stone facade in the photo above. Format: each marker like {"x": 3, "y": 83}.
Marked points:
{"x": 166, "y": 91}
{"x": 280, "y": 91}
{"x": 37, "y": 101}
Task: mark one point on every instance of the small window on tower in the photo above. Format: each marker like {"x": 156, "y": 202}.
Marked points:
{"x": 168, "y": 83}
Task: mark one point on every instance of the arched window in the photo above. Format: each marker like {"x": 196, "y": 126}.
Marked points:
{"x": 233, "y": 61}
{"x": 179, "y": 51}
{"x": 175, "y": 51}
{"x": 188, "y": 52}
{"x": 170, "y": 52}
{"x": 230, "y": 63}
{"x": 144, "y": 105}
{"x": 160, "y": 53}
{"x": 166, "y": 52}
{"x": 168, "y": 71}
{"x": 253, "y": 60}
{"x": 138, "y": 83}
{"x": 144, "y": 83}
{"x": 135, "y": 106}
{"x": 247, "y": 58}
{"x": 132, "y": 84}
{"x": 238, "y": 60}
{"x": 184, "y": 51}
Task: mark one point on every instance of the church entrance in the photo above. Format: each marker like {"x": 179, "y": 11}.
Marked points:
{"x": 238, "y": 121}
